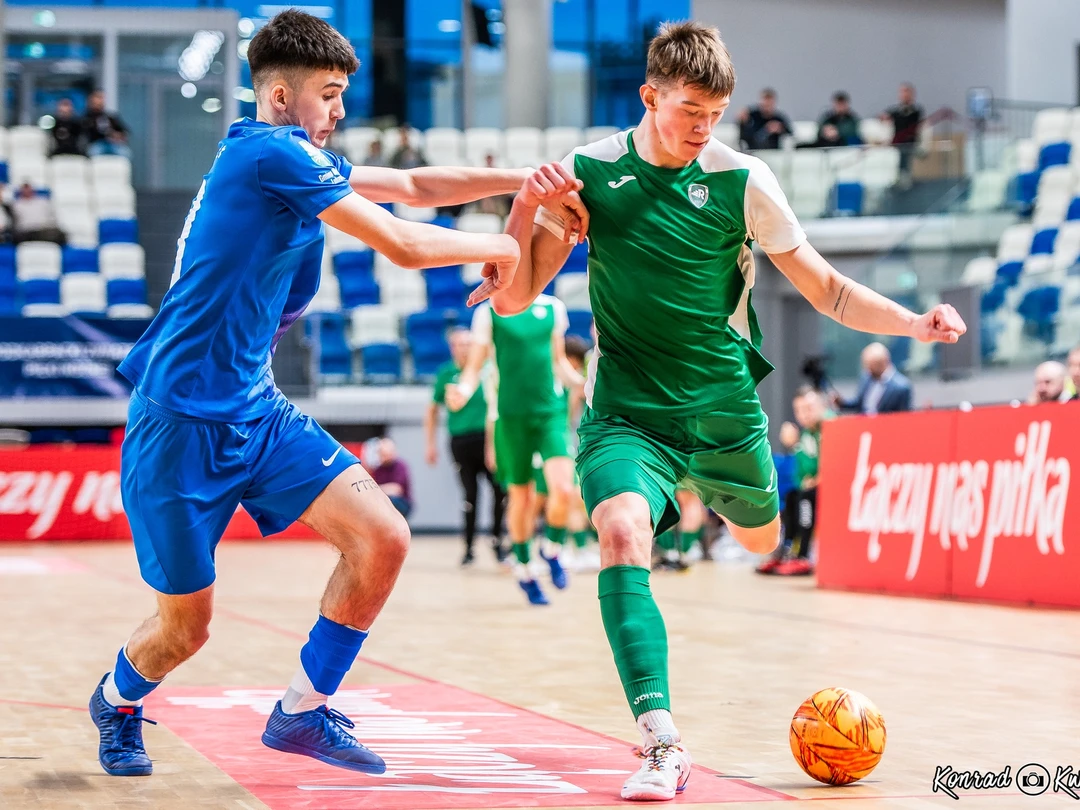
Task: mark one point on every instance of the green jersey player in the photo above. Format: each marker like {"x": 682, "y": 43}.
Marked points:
{"x": 532, "y": 370}
{"x": 671, "y": 396}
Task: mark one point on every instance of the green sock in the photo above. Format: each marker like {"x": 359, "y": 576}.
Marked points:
{"x": 581, "y": 539}
{"x": 688, "y": 539}
{"x": 666, "y": 541}
{"x": 555, "y": 535}
{"x": 636, "y": 633}
{"x": 521, "y": 551}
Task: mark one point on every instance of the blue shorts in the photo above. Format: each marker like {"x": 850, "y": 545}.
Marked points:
{"x": 182, "y": 479}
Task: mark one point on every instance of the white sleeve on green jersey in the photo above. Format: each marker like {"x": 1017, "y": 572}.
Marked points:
{"x": 489, "y": 380}
{"x": 481, "y": 325}
{"x": 770, "y": 222}
{"x": 562, "y": 320}
{"x": 545, "y": 218}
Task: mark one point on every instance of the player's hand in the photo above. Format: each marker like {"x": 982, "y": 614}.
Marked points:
{"x": 548, "y": 182}
{"x": 432, "y": 455}
{"x": 497, "y": 275}
{"x": 942, "y": 324}
{"x": 489, "y": 456}
{"x": 455, "y": 399}
{"x": 572, "y": 211}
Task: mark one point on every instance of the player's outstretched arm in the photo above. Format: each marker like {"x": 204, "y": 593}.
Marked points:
{"x": 543, "y": 251}
{"x": 416, "y": 246}
{"x": 857, "y": 306}
{"x": 434, "y": 186}
{"x": 459, "y": 394}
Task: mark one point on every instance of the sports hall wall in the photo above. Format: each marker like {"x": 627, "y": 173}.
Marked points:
{"x": 942, "y": 48}
{"x": 1050, "y": 28}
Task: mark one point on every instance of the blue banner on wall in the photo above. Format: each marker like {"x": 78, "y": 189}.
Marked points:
{"x": 65, "y": 357}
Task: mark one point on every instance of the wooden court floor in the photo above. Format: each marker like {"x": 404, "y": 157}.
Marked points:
{"x": 460, "y": 653}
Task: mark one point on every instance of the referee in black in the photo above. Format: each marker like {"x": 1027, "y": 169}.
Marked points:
{"x": 466, "y": 429}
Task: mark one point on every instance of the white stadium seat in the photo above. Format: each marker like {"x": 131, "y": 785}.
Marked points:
{"x": 114, "y": 201}
{"x": 881, "y": 167}
{"x": 69, "y": 170}
{"x": 980, "y": 271}
{"x": 391, "y": 140}
{"x": 1051, "y": 126}
{"x": 411, "y": 214}
{"x": 341, "y": 242}
{"x": 988, "y": 189}
{"x": 404, "y": 292}
{"x": 82, "y": 292}
{"x": 110, "y": 170}
{"x": 727, "y": 134}
{"x": 37, "y": 260}
{"x": 357, "y": 143}
{"x": 561, "y": 141}
{"x": 28, "y": 140}
{"x": 480, "y": 223}
{"x": 1015, "y": 243}
{"x": 121, "y": 311}
{"x": 483, "y": 141}
{"x": 573, "y": 290}
{"x": 28, "y": 168}
{"x": 804, "y": 132}
{"x": 122, "y": 260}
{"x": 1067, "y": 246}
{"x": 845, "y": 163}
{"x": 779, "y": 161}
{"x": 373, "y": 323}
{"x": 594, "y": 134}
{"x": 445, "y": 146}
{"x": 874, "y": 131}
{"x": 524, "y": 147}
{"x": 328, "y": 296}
{"x": 4, "y": 147}
{"x": 78, "y": 223}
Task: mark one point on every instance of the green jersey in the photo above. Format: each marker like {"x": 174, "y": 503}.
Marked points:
{"x": 469, "y": 419}
{"x": 670, "y": 273}
{"x": 527, "y": 385}
{"x": 807, "y": 451}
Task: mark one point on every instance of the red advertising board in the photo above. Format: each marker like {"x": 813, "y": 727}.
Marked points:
{"x": 958, "y": 504}
{"x": 60, "y": 492}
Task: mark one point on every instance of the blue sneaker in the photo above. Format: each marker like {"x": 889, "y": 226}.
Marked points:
{"x": 532, "y": 590}
{"x": 121, "y": 751}
{"x": 558, "y": 573}
{"x": 320, "y": 734}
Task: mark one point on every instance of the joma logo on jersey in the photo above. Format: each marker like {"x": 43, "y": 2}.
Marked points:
{"x": 698, "y": 194}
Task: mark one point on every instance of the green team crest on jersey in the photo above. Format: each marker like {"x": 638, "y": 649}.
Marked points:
{"x": 698, "y": 194}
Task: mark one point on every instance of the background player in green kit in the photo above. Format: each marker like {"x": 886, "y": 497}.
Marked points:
{"x": 466, "y": 429}
{"x": 671, "y": 393}
{"x": 530, "y": 360}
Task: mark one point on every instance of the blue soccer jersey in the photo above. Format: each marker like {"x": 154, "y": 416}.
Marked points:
{"x": 248, "y": 263}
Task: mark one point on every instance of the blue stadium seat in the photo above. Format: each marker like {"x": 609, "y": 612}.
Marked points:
{"x": 443, "y": 221}
{"x": 335, "y": 359}
{"x": 445, "y": 288}
{"x": 1027, "y": 186}
{"x": 578, "y": 261}
{"x": 4, "y": 178}
{"x": 580, "y": 324}
{"x": 7, "y": 287}
{"x": 1074, "y": 210}
{"x": 847, "y": 199}
{"x": 426, "y": 333}
{"x": 356, "y": 278}
{"x": 79, "y": 260}
{"x": 118, "y": 230}
{"x": 1009, "y": 272}
{"x": 1054, "y": 154}
{"x": 994, "y": 297}
{"x": 91, "y": 436}
{"x": 40, "y": 291}
{"x": 1043, "y": 241}
{"x": 1039, "y": 308}
{"x": 550, "y": 288}
{"x": 126, "y": 291}
{"x": 382, "y": 363}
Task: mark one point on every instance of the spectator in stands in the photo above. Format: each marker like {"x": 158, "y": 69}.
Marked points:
{"x": 466, "y": 428}
{"x": 67, "y": 131}
{"x": 105, "y": 133}
{"x": 392, "y": 476}
{"x": 883, "y": 389}
{"x": 500, "y": 206}
{"x": 33, "y": 217}
{"x": 840, "y": 126}
{"x": 375, "y": 156}
{"x": 1049, "y": 383}
{"x": 407, "y": 156}
{"x": 1074, "y": 372}
{"x": 762, "y": 127}
{"x": 907, "y": 120}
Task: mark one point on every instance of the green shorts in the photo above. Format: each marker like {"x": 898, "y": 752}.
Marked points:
{"x": 517, "y": 438}
{"x": 723, "y": 458}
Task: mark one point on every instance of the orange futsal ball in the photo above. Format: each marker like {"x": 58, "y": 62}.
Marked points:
{"x": 837, "y": 736}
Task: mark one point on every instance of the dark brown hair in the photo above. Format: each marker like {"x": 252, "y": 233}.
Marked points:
{"x": 294, "y": 42}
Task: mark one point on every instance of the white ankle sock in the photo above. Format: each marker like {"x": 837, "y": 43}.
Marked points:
{"x": 550, "y": 549}
{"x": 301, "y": 696}
{"x": 657, "y": 723}
{"x": 112, "y": 694}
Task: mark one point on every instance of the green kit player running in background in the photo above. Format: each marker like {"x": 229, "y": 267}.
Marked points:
{"x": 671, "y": 393}
{"x": 530, "y": 361}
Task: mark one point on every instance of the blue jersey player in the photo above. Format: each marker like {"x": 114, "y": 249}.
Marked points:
{"x": 208, "y": 429}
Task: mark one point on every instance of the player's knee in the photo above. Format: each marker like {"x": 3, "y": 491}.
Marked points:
{"x": 759, "y": 541}
{"x": 624, "y": 538}
{"x": 190, "y": 637}
{"x": 395, "y": 537}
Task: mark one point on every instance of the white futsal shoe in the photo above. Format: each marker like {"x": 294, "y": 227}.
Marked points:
{"x": 664, "y": 772}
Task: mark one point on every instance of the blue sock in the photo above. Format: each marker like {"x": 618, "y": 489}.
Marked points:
{"x": 129, "y": 683}
{"x": 329, "y": 653}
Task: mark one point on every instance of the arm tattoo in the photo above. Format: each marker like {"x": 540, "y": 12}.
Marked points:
{"x": 843, "y": 309}
{"x": 841, "y": 295}
{"x": 365, "y": 485}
